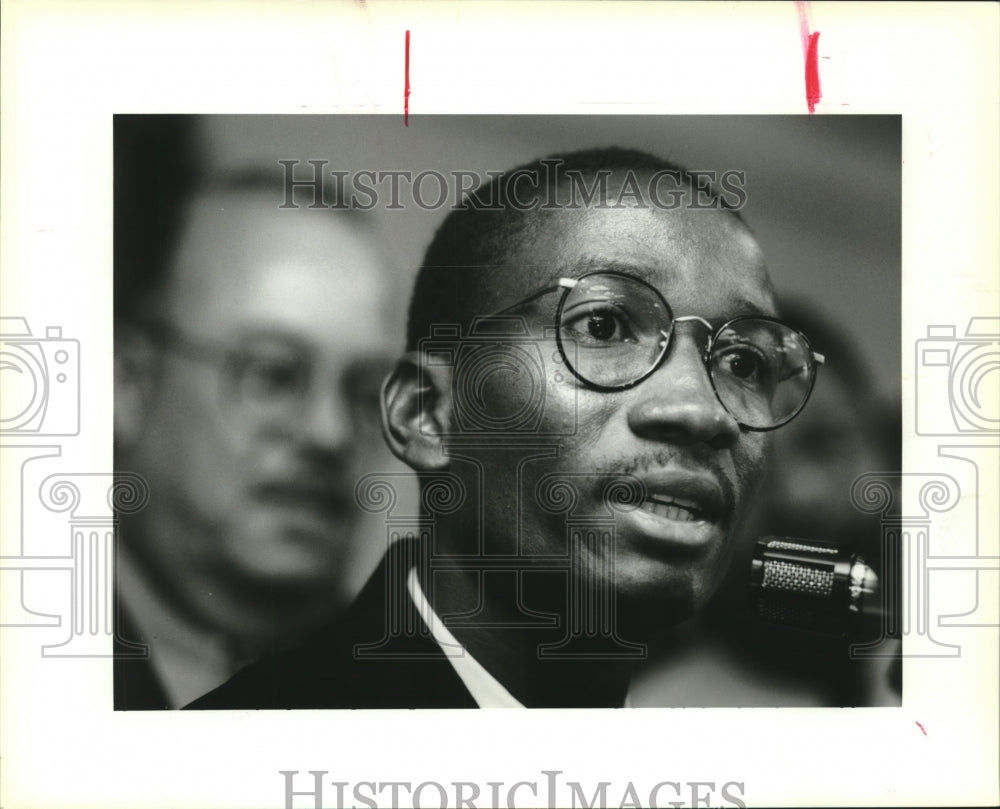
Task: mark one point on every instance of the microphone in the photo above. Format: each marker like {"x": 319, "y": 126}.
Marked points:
{"x": 815, "y": 586}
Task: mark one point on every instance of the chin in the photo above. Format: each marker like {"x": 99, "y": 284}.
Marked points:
{"x": 290, "y": 552}
{"x": 657, "y": 595}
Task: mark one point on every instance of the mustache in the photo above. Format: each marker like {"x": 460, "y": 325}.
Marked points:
{"x": 332, "y": 494}
{"x": 664, "y": 459}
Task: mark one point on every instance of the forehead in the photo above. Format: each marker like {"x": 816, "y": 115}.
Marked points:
{"x": 244, "y": 265}
{"x": 703, "y": 262}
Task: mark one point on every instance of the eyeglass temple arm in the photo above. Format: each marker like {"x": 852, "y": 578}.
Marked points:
{"x": 169, "y": 337}
{"x": 562, "y": 283}
{"x": 818, "y": 359}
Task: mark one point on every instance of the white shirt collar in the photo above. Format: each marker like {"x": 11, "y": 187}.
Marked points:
{"x": 486, "y": 690}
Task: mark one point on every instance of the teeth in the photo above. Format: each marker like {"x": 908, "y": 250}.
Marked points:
{"x": 679, "y": 510}
{"x": 680, "y": 502}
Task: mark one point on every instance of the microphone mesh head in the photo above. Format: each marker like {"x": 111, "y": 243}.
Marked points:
{"x": 800, "y": 583}
{"x": 796, "y": 578}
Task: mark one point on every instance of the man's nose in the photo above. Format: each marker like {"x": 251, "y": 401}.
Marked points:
{"x": 325, "y": 421}
{"x": 678, "y": 405}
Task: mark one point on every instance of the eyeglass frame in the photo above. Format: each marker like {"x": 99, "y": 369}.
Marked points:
{"x": 219, "y": 354}
{"x": 567, "y": 284}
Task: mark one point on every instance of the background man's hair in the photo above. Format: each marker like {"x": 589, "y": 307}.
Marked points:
{"x": 877, "y": 417}
{"x": 844, "y": 360}
{"x": 477, "y": 235}
{"x": 157, "y": 168}
{"x": 159, "y": 171}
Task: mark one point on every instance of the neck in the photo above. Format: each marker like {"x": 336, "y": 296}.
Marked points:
{"x": 519, "y": 626}
{"x": 255, "y": 617}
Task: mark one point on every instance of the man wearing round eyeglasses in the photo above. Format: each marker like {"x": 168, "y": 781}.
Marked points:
{"x": 246, "y": 379}
{"x": 586, "y": 396}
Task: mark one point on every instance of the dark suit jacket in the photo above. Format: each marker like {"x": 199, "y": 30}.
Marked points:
{"x": 379, "y": 654}
{"x": 136, "y": 685}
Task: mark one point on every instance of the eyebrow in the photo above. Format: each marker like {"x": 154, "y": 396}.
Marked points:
{"x": 741, "y": 307}
{"x": 257, "y": 333}
{"x": 593, "y": 264}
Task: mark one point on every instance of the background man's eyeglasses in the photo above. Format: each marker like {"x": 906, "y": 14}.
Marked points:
{"x": 614, "y": 330}
{"x": 270, "y": 382}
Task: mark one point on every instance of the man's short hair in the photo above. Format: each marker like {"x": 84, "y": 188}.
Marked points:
{"x": 157, "y": 169}
{"x": 476, "y": 236}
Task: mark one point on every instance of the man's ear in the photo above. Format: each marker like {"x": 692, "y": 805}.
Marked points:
{"x": 417, "y": 412}
{"x": 135, "y": 368}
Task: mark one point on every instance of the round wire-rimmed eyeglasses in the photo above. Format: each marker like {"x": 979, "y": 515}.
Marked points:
{"x": 614, "y": 330}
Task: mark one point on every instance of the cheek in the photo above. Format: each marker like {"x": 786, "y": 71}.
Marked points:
{"x": 509, "y": 396}
{"x": 191, "y": 438}
{"x": 519, "y": 389}
{"x": 579, "y": 417}
{"x": 750, "y": 460}
{"x": 497, "y": 388}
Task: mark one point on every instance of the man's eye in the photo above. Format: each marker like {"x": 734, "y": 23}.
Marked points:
{"x": 265, "y": 377}
{"x": 597, "y": 326}
{"x": 745, "y": 363}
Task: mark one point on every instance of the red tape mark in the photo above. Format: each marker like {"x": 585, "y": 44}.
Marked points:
{"x": 813, "y": 93}
{"x": 406, "y": 86}
{"x": 810, "y": 49}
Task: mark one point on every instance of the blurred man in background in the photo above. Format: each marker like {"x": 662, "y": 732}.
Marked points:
{"x": 249, "y": 346}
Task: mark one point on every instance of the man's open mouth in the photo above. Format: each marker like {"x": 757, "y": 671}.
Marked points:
{"x": 673, "y": 508}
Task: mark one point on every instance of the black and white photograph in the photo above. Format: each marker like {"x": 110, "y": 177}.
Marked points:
{"x": 367, "y": 367}
{"x": 507, "y": 296}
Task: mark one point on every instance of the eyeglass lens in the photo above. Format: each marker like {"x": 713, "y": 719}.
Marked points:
{"x": 268, "y": 385}
{"x": 615, "y": 329}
